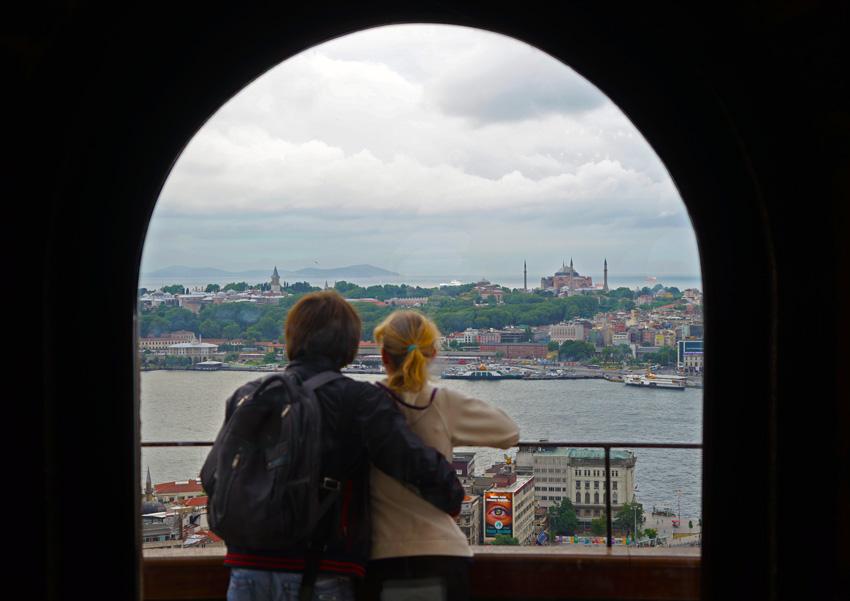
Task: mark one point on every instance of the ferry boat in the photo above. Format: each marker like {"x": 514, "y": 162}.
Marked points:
{"x": 480, "y": 373}
{"x": 651, "y": 380}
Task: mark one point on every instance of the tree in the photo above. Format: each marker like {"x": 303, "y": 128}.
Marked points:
{"x": 651, "y": 533}
{"x": 599, "y": 526}
{"x": 237, "y": 286}
{"x": 563, "y": 518}
{"x": 575, "y": 350}
{"x": 630, "y": 517}
{"x": 505, "y": 539}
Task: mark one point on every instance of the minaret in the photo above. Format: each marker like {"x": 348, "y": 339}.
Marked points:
{"x": 605, "y": 272}
{"x": 572, "y": 282}
{"x": 524, "y": 276}
{"x": 149, "y": 487}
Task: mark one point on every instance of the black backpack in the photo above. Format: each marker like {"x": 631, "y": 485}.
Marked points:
{"x": 262, "y": 474}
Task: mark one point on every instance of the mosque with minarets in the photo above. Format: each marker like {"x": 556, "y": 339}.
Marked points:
{"x": 568, "y": 282}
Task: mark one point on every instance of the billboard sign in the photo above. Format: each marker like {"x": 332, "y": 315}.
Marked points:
{"x": 498, "y": 514}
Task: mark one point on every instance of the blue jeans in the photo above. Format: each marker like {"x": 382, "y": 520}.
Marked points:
{"x": 262, "y": 585}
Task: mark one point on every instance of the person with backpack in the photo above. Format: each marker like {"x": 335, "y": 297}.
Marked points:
{"x": 358, "y": 425}
{"x": 416, "y": 549}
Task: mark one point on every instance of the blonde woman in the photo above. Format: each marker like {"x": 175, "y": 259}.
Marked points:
{"x": 415, "y": 547}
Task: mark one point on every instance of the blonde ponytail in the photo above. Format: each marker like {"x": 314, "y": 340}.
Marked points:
{"x": 409, "y": 339}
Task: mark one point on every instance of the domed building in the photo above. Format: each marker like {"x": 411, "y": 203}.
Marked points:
{"x": 566, "y": 281}
{"x": 485, "y": 290}
{"x": 160, "y": 528}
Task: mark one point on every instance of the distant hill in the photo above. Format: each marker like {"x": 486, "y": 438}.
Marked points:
{"x": 352, "y": 271}
{"x": 359, "y": 271}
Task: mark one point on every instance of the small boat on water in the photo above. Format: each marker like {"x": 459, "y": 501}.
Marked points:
{"x": 480, "y": 373}
{"x": 651, "y": 380}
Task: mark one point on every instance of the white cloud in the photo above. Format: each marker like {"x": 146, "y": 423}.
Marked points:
{"x": 424, "y": 148}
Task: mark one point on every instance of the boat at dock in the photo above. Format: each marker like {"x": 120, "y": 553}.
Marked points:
{"x": 651, "y": 380}
{"x": 482, "y": 372}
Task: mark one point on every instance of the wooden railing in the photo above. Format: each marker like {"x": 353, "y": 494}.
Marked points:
{"x": 516, "y": 574}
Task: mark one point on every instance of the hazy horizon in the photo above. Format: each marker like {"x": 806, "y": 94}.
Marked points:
{"x": 422, "y": 150}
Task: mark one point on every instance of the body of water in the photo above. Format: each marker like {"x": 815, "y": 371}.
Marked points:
{"x": 509, "y": 281}
{"x": 178, "y": 406}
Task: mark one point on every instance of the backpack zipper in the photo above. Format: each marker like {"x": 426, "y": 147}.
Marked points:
{"x": 233, "y": 465}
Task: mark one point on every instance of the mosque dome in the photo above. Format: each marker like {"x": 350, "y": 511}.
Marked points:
{"x": 149, "y": 507}
{"x": 565, "y": 270}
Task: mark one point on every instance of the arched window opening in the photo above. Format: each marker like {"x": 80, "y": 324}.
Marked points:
{"x": 461, "y": 173}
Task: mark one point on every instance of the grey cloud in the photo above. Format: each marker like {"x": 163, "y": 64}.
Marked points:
{"x": 511, "y": 84}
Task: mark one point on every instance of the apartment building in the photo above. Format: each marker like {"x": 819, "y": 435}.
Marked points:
{"x": 509, "y": 508}
{"x": 578, "y": 474}
{"x": 562, "y": 332}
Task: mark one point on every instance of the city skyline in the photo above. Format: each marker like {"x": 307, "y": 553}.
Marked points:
{"x": 423, "y": 150}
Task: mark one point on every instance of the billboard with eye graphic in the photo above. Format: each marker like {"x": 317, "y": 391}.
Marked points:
{"x": 498, "y": 514}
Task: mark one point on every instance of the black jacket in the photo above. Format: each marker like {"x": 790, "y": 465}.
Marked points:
{"x": 377, "y": 433}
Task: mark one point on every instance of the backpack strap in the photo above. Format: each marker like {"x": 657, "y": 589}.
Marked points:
{"x": 397, "y": 399}
{"x": 317, "y": 544}
{"x": 320, "y": 379}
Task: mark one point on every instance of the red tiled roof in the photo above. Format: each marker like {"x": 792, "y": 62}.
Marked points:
{"x": 182, "y": 486}
{"x": 211, "y": 535}
{"x": 196, "y": 502}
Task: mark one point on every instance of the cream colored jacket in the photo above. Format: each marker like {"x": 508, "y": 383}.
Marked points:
{"x": 403, "y": 524}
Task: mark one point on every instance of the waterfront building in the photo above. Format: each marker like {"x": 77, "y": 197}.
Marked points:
{"x": 162, "y": 342}
{"x": 517, "y": 350}
{"x": 562, "y": 332}
{"x": 578, "y": 474}
{"x": 196, "y": 350}
{"x": 690, "y": 357}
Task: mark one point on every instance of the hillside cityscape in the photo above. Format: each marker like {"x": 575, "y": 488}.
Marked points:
{"x": 567, "y": 327}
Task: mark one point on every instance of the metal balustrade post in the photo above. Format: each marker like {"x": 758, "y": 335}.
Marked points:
{"x": 607, "y": 493}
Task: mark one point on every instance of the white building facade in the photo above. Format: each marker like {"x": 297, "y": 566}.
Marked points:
{"x": 579, "y": 474}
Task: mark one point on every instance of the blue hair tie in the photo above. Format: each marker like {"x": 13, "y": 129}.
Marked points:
{"x": 411, "y": 347}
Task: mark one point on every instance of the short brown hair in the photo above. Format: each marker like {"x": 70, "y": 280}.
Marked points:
{"x": 323, "y": 323}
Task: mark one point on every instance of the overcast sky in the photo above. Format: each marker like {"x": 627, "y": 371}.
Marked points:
{"x": 425, "y": 150}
